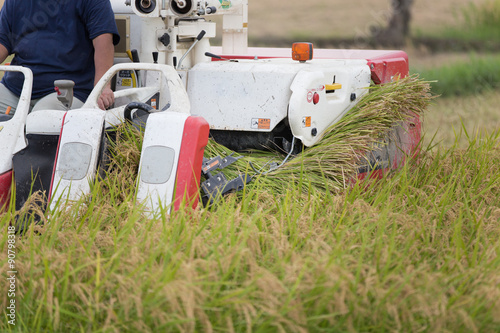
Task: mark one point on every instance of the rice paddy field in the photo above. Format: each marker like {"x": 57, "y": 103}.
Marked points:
{"x": 301, "y": 249}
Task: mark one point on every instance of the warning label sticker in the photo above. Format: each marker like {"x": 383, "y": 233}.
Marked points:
{"x": 261, "y": 123}
{"x": 126, "y": 83}
{"x": 306, "y": 122}
{"x": 154, "y": 101}
{"x": 225, "y": 3}
{"x": 310, "y": 93}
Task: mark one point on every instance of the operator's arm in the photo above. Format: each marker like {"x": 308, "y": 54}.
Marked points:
{"x": 103, "y": 59}
{"x": 3, "y": 53}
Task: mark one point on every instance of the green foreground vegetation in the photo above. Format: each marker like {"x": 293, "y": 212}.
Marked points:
{"x": 416, "y": 251}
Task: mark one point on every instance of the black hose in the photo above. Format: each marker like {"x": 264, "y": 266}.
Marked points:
{"x": 127, "y": 112}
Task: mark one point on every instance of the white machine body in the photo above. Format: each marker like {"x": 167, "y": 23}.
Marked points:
{"x": 249, "y": 95}
{"x": 168, "y": 27}
{"x": 171, "y": 160}
{"x": 77, "y": 156}
{"x": 12, "y": 131}
{"x": 255, "y": 95}
{"x": 159, "y": 160}
{"x": 169, "y": 130}
{"x": 155, "y": 79}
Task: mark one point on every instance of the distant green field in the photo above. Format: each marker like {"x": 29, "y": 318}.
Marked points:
{"x": 481, "y": 23}
{"x": 464, "y": 78}
{"x": 469, "y": 91}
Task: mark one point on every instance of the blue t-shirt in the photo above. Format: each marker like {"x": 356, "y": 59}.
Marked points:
{"x": 54, "y": 39}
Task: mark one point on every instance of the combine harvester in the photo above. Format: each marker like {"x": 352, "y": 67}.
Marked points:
{"x": 182, "y": 88}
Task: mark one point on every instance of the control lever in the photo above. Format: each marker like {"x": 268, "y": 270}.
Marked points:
{"x": 215, "y": 56}
{"x": 198, "y": 38}
{"x": 64, "y": 89}
{"x": 134, "y": 56}
{"x": 211, "y": 55}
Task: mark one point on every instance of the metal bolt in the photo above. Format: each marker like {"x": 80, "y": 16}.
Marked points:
{"x": 353, "y": 97}
{"x": 314, "y": 131}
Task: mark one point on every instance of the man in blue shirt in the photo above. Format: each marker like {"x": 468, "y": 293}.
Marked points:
{"x": 57, "y": 39}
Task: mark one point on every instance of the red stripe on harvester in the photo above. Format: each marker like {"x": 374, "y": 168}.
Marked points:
{"x": 57, "y": 156}
{"x": 5, "y": 185}
{"x": 194, "y": 140}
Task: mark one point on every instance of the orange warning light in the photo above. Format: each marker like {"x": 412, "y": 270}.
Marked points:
{"x": 302, "y": 51}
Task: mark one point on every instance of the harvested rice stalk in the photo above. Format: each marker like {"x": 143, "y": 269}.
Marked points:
{"x": 335, "y": 160}
{"x": 326, "y": 166}
{"x": 125, "y": 154}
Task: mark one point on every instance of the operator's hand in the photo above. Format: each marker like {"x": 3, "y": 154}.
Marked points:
{"x": 106, "y": 99}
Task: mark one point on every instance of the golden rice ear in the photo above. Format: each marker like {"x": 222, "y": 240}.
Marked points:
{"x": 32, "y": 213}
